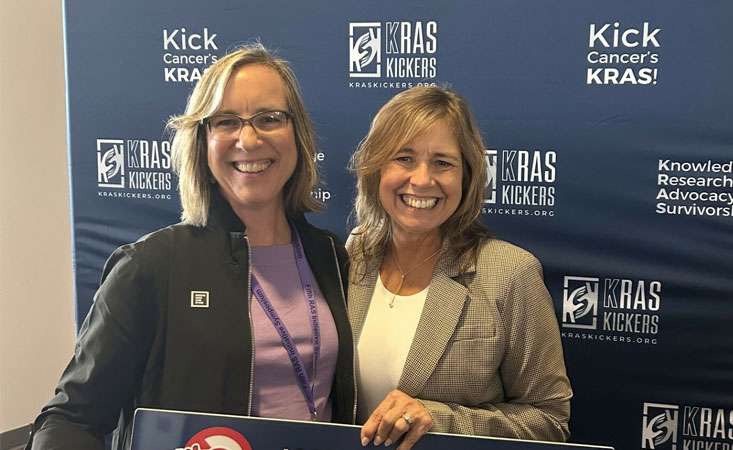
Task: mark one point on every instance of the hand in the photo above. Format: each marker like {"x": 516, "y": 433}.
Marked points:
{"x": 387, "y": 422}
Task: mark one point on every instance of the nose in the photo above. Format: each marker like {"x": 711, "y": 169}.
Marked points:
{"x": 248, "y": 137}
{"x": 421, "y": 176}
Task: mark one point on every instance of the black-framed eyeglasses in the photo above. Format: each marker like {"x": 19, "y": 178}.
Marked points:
{"x": 230, "y": 125}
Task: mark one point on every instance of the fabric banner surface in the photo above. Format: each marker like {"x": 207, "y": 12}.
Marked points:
{"x": 610, "y": 152}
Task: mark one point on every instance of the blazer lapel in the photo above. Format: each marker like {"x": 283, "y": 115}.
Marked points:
{"x": 443, "y": 307}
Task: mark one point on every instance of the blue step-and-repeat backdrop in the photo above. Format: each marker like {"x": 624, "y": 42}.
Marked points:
{"x": 610, "y": 152}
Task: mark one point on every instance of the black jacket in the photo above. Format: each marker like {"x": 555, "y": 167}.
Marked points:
{"x": 143, "y": 345}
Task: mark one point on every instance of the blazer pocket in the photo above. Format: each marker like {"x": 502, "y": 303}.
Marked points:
{"x": 476, "y": 350}
{"x": 479, "y": 320}
{"x": 466, "y": 331}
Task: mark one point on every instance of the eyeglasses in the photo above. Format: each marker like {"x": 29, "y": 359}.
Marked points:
{"x": 230, "y": 125}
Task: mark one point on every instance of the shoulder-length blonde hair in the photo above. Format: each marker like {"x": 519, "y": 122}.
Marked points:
{"x": 189, "y": 146}
{"x": 407, "y": 115}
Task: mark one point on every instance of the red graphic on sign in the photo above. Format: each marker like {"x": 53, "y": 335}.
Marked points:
{"x": 218, "y": 438}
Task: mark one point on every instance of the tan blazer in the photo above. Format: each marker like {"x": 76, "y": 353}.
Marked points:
{"x": 486, "y": 358}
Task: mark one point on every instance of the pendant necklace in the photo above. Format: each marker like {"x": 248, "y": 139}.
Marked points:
{"x": 404, "y": 274}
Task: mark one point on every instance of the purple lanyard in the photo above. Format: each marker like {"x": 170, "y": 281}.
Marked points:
{"x": 307, "y": 387}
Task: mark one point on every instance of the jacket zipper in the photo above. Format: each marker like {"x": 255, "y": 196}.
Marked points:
{"x": 251, "y": 329}
{"x": 353, "y": 345}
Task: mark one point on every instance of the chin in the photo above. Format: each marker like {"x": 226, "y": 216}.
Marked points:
{"x": 417, "y": 228}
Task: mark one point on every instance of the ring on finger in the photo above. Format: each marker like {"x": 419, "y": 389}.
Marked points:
{"x": 407, "y": 418}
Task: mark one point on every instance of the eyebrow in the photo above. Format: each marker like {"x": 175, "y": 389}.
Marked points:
{"x": 446, "y": 156}
{"x": 434, "y": 155}
{"x": 257, "y": 111}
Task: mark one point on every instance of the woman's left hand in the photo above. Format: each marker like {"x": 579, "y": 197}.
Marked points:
{"x": 396, "y": 415}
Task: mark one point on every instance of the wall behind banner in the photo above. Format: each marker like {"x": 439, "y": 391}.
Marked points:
{"x": 609, "y": 131}
{"x": 36, "y": 310}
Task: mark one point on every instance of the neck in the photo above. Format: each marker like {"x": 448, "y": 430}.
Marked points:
{"x": 266, "y": 225}
{"x": 409, "y": 261}
{"x": 414, "y": 247}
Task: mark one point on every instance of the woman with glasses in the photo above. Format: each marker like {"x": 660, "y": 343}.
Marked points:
{"x": 455, "y": 330}
{"x": 239, "y": 309}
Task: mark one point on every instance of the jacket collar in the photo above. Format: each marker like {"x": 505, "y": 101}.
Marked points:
{"x": 439, "y": 318}
{"x": 222, "y": 217}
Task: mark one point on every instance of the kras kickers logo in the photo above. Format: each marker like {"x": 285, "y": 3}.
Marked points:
{"x": 217, "y": 438}
{"x": 392, "y": 54}
{"x": 580, "y": 302}
{"x": 110, "y": 163}
{"x": 134, "y": 169}
{"x": 365, "y": 50}
{"x": 520, "y": 182}
{"x": 611, "y": 309}
{"x": 659, "y": 426}
{"x": 668, "y": 426}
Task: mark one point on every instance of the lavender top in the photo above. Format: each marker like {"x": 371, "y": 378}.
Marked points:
{"x": 275, "y": 389}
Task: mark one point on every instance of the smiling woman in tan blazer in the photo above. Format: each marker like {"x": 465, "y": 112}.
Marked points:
{"x": 455, "y": 329}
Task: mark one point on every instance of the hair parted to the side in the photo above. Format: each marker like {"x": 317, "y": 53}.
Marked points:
{"x": 189, "y": 145}
{"x": 404, "y": 117}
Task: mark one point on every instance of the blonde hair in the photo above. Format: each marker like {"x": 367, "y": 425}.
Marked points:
{"x": 407, "y": 115}
{"x": 189, "y": 146}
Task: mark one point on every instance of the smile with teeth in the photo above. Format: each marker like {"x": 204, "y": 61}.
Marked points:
{"x": 252, "y": 166}
{"x": 418, "y": 202}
